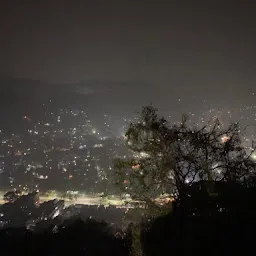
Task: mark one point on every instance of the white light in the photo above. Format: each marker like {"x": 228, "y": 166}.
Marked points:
{"x": 224, "y": 138}
{"x": 253, "y": 156}
{"x": 56, "y": 214}
{"x": 144, "y": 154}
{"x": 186, "y": 181}
{"x": 98, "y": 146}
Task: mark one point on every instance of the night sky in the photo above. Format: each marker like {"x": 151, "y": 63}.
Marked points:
{"x": 181, "y": 56}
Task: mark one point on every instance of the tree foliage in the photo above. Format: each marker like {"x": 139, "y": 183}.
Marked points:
{"x": 168, "y": 158}
{"x": 219, "y": 225}
{"x": 11, "y": 196}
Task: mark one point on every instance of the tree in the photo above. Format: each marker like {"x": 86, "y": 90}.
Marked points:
{"x": 11, "y": 196}
{"x": 167, "y": 159}
{"x": 217, "y": 224}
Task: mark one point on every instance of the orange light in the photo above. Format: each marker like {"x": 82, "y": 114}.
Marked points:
{"x": 136, "y": 166}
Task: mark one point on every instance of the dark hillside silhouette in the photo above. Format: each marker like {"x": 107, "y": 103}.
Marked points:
{"x": 79, "y": 238}
{"x": 220, "y": 224}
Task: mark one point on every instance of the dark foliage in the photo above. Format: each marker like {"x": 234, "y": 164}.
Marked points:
{"x": 79, "y": 238}
{"x": 11, "y": 196}
{"x": 220, "y": 223}
{"x": 181, "y": 154}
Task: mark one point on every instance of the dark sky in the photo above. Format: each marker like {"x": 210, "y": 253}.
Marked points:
{"x": 135, "y": 51}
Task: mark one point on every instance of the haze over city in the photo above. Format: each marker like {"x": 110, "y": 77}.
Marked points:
{"x": 74, "y": 76}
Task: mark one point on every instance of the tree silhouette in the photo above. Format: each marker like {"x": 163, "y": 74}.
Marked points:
{"x": 167, "y": 159}
{"x": 11, "y": 196}
{"x": 219, "y": 225}
{"x": 78, "y": 238}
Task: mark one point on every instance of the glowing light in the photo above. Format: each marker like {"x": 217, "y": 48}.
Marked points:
{"x": 26, "y": 118}
{"x": 41, "y": 177}
{"x": 253, "y": 156}
{"x": 57, "y": 213}
{"x": 143, "y": 154}
{"x": 224, "y": 138}
{"x": 98, "y": 146}
{"x": 136, "y": 166}
{"x": 218, "y": 171}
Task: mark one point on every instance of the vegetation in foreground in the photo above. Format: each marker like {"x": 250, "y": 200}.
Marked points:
{"x": 209, "y": 172}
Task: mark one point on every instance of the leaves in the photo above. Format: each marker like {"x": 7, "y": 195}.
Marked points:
{"x": 179, "y": 155}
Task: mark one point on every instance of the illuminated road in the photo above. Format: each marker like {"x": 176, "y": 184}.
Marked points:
{"x": 85, "y": 200}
